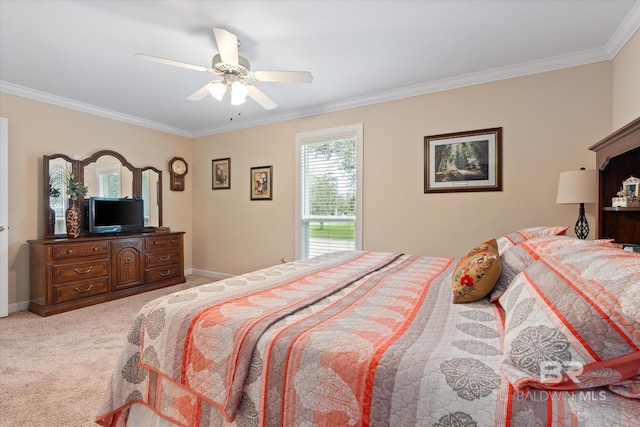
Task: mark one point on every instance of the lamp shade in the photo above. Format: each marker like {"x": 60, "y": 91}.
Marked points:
{"x": 577, "y": 187}
{"x": 218, "y": 90}
{"x": 238, "y": 93}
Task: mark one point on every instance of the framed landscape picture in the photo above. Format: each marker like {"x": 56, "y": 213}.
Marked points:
{"x": 463, "y": 161}
{"x": 221, "y": 174}
{"x": 261, "y": 182}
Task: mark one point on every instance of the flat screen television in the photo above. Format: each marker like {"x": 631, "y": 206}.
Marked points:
{"x": 111, "y": 216}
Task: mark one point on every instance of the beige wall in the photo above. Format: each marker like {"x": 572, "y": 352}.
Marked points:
{"x": 626, "y": 83}
{"x": 549, "y": 120}
{"x": 36, "y": 129}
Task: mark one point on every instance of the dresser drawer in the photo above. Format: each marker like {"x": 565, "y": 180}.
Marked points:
{"x": 163, "y": 273}
{"x": 75, "y": 250}
{"x": 76, "y": 271}
{"x": 74, "y": 291}
{"x": 161, "y": 259}
{"x": 162, "y": 243}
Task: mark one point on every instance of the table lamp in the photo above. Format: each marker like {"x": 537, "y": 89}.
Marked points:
{"x": 578, "y": 187}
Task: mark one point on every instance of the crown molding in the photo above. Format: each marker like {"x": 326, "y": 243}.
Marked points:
{"x": 503, "y": 73}
{"x": 71, "y": 104}
{"x": 625, "y": 31}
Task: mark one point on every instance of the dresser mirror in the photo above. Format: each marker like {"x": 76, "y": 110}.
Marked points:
{"x": 106, "y": 174}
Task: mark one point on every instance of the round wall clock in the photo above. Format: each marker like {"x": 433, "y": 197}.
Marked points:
{"x": 177, "y": 170}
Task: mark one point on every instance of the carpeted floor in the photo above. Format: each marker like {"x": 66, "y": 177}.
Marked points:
{"x": 54, "y": 370}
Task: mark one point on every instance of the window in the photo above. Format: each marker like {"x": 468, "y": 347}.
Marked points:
{"x": 329, "y": 191}
{"x": 146, "y": 196}
{"x": 109, "y": 181}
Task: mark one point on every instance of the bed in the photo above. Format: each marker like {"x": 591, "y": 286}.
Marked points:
{"x": 544, "y": 331}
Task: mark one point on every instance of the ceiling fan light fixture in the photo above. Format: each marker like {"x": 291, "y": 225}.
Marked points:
{"x": 217, "y": 90}
{"x": 238, "y": 93}
{"x": 231, "y": 68}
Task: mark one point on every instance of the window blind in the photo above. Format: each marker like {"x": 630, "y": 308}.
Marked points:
{"x": 328, "y": 185}
{"x": 146, "y": 196}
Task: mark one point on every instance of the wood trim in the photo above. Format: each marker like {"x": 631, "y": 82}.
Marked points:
{"x": 616, "y": 159}
{"x": 66, "y": 274}
{"x": 624, "y": 139}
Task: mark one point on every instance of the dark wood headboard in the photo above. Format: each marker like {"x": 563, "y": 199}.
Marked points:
{"x": 617, "y": 158}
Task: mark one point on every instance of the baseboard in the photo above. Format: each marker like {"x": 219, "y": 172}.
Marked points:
{"x": 212, "y": 274}
{"x": 19, "y": 306}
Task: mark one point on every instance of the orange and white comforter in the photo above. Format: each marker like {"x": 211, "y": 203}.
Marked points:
{"x": 346, "y": 339}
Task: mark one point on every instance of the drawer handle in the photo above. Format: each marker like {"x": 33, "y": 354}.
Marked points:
{"x": 83, "y": 272}
{"x": 82, "y": 291}
{"x": 95, "y": 249}
{"x": 128, "y": 260}
{"x": 69, "y": 251}
{"x": 155, "y": 242}
{"x": 164, "y": 258}
{"x": 173, "y": 241}
{"x": 165, "y": 274}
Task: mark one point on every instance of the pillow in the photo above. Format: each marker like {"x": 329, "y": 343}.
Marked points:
{"x": 476, "y": 273}
{"x": 520, "y": 256}
{"x": 571, "y": 319}
{"x": 513, "y": 262}
{"x": 512, "y": 239}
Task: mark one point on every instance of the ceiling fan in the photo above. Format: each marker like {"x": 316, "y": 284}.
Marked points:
{"x": 234, "y": 70}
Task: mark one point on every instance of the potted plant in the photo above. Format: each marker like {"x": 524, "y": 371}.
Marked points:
{"x": 75, "y": 189}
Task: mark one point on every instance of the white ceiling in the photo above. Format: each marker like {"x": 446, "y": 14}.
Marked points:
{"x": 80, "y": 54}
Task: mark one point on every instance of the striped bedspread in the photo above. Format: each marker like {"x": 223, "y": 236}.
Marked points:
{"x": 346, "y": 339}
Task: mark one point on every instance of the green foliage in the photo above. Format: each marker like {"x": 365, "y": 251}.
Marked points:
{"x": 344, "y": 149}
{"x": 340, "y": 230}
{"x": 327, "y": 195}
{"x": 324, "y": 195}
{"x": 75, "y": 188}
{"x": 53, "y": 191}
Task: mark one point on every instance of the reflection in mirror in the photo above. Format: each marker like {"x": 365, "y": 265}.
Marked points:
{"x": 59, "y": 169}
{"x": 150, "y": 197}
{"x": 106, "y": 177}
{"x": 106, "y": 173}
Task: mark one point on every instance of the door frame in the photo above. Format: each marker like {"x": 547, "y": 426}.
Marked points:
{"x": 4, "y": 217}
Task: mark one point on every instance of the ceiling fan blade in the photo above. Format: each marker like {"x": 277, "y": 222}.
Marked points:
{"x": 172, "y": 62}
{"x": 200, "y": 93}
{"x": 262, "y": 99}
{"x": 283, "y": 76}
{"x": 227, "y": 45}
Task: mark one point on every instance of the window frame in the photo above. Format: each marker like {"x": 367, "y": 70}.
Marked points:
{"x": 326, "y": 135}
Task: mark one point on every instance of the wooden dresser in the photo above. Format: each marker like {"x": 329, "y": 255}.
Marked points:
{"x": 618, "y": 158}
{"x": 71, "y": 273}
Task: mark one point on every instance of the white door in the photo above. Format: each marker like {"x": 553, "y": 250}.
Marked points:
{"x": 4, "y": 216}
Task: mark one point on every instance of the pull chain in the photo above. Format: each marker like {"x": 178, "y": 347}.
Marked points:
{"x": 231, "y": 112}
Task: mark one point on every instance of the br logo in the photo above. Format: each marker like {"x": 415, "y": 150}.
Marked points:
{"x": 551, "y": 372}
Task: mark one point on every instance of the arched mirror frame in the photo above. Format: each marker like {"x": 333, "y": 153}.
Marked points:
{"x": 78, "y": 167}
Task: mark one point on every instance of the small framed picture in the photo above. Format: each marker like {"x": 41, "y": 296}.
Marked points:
{"x": 221, "y": 174}
{"x": 463, "y": 161}
{"x": 261, "y": 182}
{"x": 631, "y": 187}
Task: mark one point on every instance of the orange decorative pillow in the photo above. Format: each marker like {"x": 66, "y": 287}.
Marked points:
{"x": 476, "y": 273}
